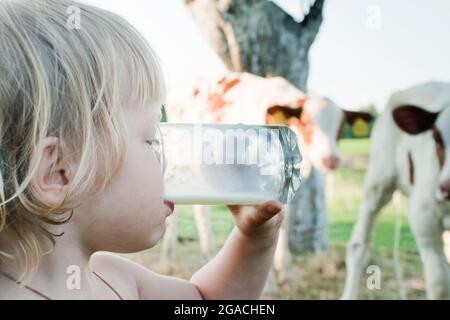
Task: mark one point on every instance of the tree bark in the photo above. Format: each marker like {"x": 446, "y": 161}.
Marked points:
{"x": 257, "y": 36}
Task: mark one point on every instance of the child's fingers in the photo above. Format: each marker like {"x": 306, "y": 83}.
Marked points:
{"x": 268, "y": 210}
{"x": 257, "y": 214}
{"x": 235, "y": 208}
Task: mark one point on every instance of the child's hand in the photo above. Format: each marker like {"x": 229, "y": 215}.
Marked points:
{"x": 259, "y": 222}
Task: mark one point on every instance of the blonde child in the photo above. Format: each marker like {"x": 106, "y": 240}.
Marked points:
{"x": 80, "y": 171}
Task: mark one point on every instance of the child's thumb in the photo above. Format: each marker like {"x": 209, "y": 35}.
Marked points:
{"x": 268, "y": 210}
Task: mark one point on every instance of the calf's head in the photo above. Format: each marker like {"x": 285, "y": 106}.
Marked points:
{"x": 415, "y": 120}
{"x": 318, "y": 123}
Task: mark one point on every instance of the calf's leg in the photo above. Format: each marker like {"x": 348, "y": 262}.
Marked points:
{"x": 427, "y": 230}
{"x": 282, "y": 263}
{"x": 204, "y": 230}
{"x": 376, "y": 194}
{"x": 446, "y": 240}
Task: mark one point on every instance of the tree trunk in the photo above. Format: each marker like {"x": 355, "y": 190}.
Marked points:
{"x": 257, "y": 36}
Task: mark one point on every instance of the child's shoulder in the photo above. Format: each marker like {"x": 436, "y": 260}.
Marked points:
{"x": 138, "y": 282}
{"x": 107, "y": 260}
{"x": 117, "y": 272}
{"x": 117, "y": 264}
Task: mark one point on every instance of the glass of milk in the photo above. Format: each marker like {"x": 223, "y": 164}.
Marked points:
{"x": 229, "y": 164}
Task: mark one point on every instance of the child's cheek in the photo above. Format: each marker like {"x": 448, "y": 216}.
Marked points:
{"x": 150, "y": 176}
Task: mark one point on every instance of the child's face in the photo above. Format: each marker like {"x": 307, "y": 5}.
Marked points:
{"x": 129, "y": 215}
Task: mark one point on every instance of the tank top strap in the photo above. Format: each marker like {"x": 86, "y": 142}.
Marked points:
{"x": 110, "y": 286}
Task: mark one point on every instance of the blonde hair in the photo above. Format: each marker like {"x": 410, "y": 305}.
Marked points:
{"x": 68, "y": 83}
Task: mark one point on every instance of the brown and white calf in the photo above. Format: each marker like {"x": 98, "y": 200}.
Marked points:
{"x": 249, "y": 99}
{"x": 411, "y": 152}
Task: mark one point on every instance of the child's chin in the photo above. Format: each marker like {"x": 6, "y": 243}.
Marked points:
{"x": 138, "y": 247}
{"x": 144, "y": 242}
{"x": 155, "y": 237}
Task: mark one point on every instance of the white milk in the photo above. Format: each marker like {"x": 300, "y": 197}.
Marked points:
{"x": 229, "y": 198}
{"x": 197, "y": 174}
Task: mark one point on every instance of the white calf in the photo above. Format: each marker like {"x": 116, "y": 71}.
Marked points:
{"x": 410, "y": 151}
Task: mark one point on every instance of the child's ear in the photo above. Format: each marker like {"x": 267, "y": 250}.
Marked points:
{"x": 282, "y": 114}
{"x": 50, "y": 183}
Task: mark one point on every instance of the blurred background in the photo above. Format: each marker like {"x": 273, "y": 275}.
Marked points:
{"x": 364, "y": 51}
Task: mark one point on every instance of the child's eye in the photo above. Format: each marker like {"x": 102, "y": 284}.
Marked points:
{"x": 154, "y": 142}
{"x": 156, "y": 145}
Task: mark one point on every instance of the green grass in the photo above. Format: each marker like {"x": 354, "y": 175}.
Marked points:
{"x": 343, "y": 201}
{"x": 354, "y": 147}
{"x": 221, "y": 222}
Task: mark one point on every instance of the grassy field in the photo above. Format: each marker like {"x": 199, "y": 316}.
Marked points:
{"x": 343, "y": 206}
{"x": 320, "y": 276}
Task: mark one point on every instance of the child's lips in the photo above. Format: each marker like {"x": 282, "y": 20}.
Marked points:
{"x": 170, "y": 205}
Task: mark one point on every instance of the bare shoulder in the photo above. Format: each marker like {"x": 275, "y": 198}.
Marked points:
{"x": 116, "y": 272}
{"x": 139, "y": 282}
{"x": 109, "y": 261}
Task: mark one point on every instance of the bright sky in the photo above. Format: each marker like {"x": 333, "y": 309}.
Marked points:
{"x": 366, "y": 49}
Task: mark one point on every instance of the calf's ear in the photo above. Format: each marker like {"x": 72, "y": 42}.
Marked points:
{"x": 413, "y": 120}
{"x": 281, "y": 114}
